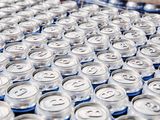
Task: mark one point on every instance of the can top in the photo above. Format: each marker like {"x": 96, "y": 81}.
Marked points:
{"x": 67, "y": 21}
{"x": 88, "y": 25}
{"x": 79, "y": 14}
{"x": 58, "y": 44}
{"x": 22, "y": 90}
{"x": 58, "y": 10}
{"x": 69, "y": 4}
{"x": 109, "y": 10}
{"x": 75, "y": 34}
{"x": 29, "y": 117}
{"x": 130, "y": 117}
{"x": 110, "y": 93}
{"x": 147, "y": 105}
{"x": 155, "y": 39}
{"x": 154, "y": 85}
{"x": 36, "y": 38}
{"x": 56, "y": 29}
{"x": 94, "y": 111}
{"x": 76, "y": 84}
{"x": 91, "y": 8}
{"x": 110, "y": 29}
{"x": 54, "y": 102}
{"x": 5, "y": 110}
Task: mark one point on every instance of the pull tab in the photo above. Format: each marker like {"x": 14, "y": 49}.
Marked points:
{"x": 57, "y": 44}
{"x": 21, "y": 92}
{"x": 77, "y": 84}
{"x": 111, "y": 56}
{"x": 42, "y": 53}
{"x": 153, "y": 107}
{"x": 81, "y": 49}
{"x": 98, "y": 38}
{"x": 92, "y": 70}
{"x": 65, "y": 61}
{"x": 57, "y": 102}
{"x": 94, "y": 113}
{"x": 48, "y": 75}
{"x": 129, "y": 77}
{"x": 108, "y": 94}
{"x": 156, "y": 86}
{"x": 151, "y": 50}
{"x": 18, "y": 47}
{"x": 137, "y": 62}
{"x": 18, "y": 66}
{"x": 124, "y": 45}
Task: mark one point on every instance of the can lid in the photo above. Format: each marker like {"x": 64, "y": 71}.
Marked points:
{"x": 154, "y": 85}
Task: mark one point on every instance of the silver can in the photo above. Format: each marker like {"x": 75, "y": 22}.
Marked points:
{"x": 84, "y": 53}
{"x": 47, "y": 79}
{"x": 78, "y": 87}
{"x": 151, "y": 52}
{"x": 136, "y": 35}
{"x": 53, "y": 32}
{"x": 90, "y": 28}
{"x": 8, "y": 9}
{"x": 155, "y": 39}
{"x": 54, "y": 105}
{"x": 26, "y": 13}
{"x": 95, "y": 71}
{"x": 19, "y": 70}
{"x": 112, "y": 59}
{"x": 40, "y": 57}
{"x": 30, "y": 117}
{"x": 152, "y": 87}
{"x": 130, "y": 80}
{"x": 113, "y": 97}
{"x": 146, "y": 106}
{"x": 76, "y": 37}
{"x": 59, "y": 47}
{"x": 51, "y": 2}
{"x": 68, "y": 24}
{"x": 91, "y": 111}
{"x": 68, "y": 65}
{"x": 142, "y": 65}
{"x": 3, "y": 61}
{"x": 16, "y": 51}
{"x": 125, "y": 47}
{"x": 5, "y": 111}
{"x": 130, "y": 117}
{"x": 98, "y": 42}
{"x": 22, "y": 97}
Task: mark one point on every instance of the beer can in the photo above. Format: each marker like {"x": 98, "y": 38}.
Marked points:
{"x": 29, "y": 116}
{"x": 142, "y": 65}
{"x": 151, "y": 52}
{"x": 154, "y": 39}
{"x": 84, "y": 53}
{"x": 54, "y": 105}
{"x": 112, "y": 59}
{"x": 130, "y": 80}
{"x": 46, "y": 79}
{"x": 125, "y": 47}
{"x": 90, "y": 28}
{"x": 152, "y": 87}
{"x": 99, "y": 42}
{"x": 130, "y": 117}
{"x": 53, "y": 32}
{"x": 68, "y": 24}
{"x": 16, "y": 51}
{"x": 59, "y": 47}
{"x": 152, "y": 8}
{"x": 146, "y": 106}
{"x": 4, "y": 83}
{"x": 78, "y": 87}
{"x": 91, "y": 110}
{"x": 22, "y": 97}
{"x": 40, "y": 57}
{"x": 95, "y": 71}
{"x": 19, "y": 70}
{"x": 113, "y": 97}
{"x": 68, "y": 65}
{"x": 76, "y": 37}
{"x": 5, "y": 111}
{"x": 136, "y": 35}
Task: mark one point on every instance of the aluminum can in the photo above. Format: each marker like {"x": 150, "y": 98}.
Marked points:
{"x": 22, "y": 97}
{"x": 4, "y": 83}
{"x": 112, "y": 59}
{"x": 91, "y": 110}
{"x": 155, "y": 39}
{"x": 95, "y": 71}
{"x": 40, "y": 57}
{"x": 35, "y": 41}
{"x": 26, "y": 13}
{"x": 135, "y": 6}
{"x": 136, "y": 35}
{"x": 5, "y": 111}
{"x": 29, "y": 117}
{"x": 68, "y": 65}
{"x": 146, "y": 106}
{"x": 130, "y": 80}
{"x": 125, "y": 47}
{"x": 3, "y": 61}
{"x": 151, "y": 52}
{"x": 19, "y": 70}
{"x": 78, "y": 87}
{"x": 47, "y": 79}
{"x": 68, "y": 24}
{"x": 54, "y": 105}
{"x": 40, "y": 7}
{"x": 51, "y": 2}
{"x": 76, "y": 37}
{"x": 53, "y": 32}
{"x": 142, "y": 65}
{"x": 84, "y": 53}
{"x": 113, "y": 97}
{"x": 59, "y": 47}
{"x": 90, "y": 28}
{"x": 152, "y": 8}
{"x": 152, "y": 87}
{"x": 99, "y": 42}
{"x": 130, "y": 117}
{"x": 8, "y": 9}
{"x": 16, "y": 51}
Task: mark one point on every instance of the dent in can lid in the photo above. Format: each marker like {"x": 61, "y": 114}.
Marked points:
{"x": 91, "y": 110}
